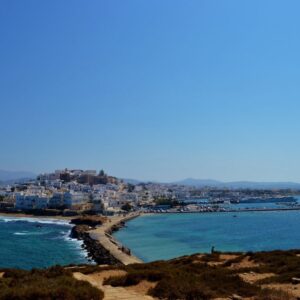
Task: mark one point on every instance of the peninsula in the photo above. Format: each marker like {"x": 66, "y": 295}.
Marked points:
{"x": 98, "y": 241}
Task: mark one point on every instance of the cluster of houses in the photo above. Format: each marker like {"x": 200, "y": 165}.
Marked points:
{"x": 58, "y": 200}
{"x": 85, "y": 190}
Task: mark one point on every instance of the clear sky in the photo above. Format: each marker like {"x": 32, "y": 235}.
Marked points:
{"x": 152, "y": 89}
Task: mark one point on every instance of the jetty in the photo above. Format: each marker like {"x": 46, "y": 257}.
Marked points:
{"x": 102, "y": 234}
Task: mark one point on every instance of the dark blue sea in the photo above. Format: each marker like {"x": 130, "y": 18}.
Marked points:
{"x": 27, "y": 243}
{"x": 165, "y": 236}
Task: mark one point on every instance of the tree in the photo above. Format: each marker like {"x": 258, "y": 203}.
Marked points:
{"x": 162, "y": 200}
{"x": 130, "y": 187}
{"x": 126, "y": 207}
{"x": 102, "y": 173}
{"x": 66, "y": 177}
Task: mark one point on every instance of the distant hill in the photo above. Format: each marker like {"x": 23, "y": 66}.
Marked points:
{"x": 131, "y": 181}
{"x": 238, "y": 184}
{"x": 264, "y": 185}
{"x": 221, "y": 184}
{"x": 15, "y": 175}
{"x": 198, "y": 182}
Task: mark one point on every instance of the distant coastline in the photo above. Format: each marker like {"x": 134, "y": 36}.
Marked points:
{"x": 223, "y": 211}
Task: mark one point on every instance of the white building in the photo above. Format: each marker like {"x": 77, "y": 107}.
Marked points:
{"x": 128, "y": 197}
{"x": 30, "y": 201}
{"x": 98, "y": 202}
{"x": 67, "y": 199}
{"x": 75, "y": 198}
{"x": 57, "y": 200}
{"x": 90, "y": 172}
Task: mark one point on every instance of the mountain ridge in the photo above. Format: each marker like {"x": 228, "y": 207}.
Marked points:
{"x": 222, "y": 184}
{"x": 238, "y": 184}
{"x": 15, "y": 175}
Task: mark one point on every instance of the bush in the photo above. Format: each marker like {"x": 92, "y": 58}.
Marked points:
{"x": 267, "y": 294}
{"x": 54, "y": 283}
{"x": 285, "y": 264}
{"x": 183, "y": 279}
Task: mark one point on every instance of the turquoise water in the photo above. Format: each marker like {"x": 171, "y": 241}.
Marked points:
{"x": 165, "y": 236}
{"x": 26, "y": 243}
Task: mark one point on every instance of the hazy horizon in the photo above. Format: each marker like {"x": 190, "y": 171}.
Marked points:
{"x": 153, "y": 180}
{"x": 152, "y": 90}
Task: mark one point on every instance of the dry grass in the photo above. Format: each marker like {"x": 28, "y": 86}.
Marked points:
{"x": 217, "y": 275}
{"x": 255, "y": 276}
{"x": 291, "y": 289}
{"x": 142, "y": 287}
{"x": 242, "y": 262}
{"x": 274, "y": 294}
{"x": 181, "y": 279}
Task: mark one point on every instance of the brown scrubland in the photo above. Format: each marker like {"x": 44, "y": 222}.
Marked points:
{"x": 270, "y": 275}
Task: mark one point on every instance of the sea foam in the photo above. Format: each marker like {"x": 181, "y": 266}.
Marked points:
{"x": 36, "y": 220}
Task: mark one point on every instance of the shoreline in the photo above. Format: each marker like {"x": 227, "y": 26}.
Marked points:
{"x": 223, "y": 211}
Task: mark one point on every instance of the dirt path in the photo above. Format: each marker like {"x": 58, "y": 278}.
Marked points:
{"x": 111, "y": 293}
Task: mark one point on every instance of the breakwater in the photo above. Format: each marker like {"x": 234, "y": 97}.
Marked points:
{"x": 101, "y": 246}
{"x": 94, "y": 248}
{"x": 203, "y": 211}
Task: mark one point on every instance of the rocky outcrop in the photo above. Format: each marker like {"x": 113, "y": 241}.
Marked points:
{"x": 79, "y": 231}
{"x": 94, "y": 248}
{"x": 116, "y": 227}
{"x": 89, "y": 220}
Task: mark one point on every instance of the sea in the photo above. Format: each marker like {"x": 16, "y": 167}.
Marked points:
{"x": 27, "y": 243}
{"x": 169, "y": 235}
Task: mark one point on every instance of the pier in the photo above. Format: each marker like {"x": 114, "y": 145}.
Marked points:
{"x": 103, "y": 235}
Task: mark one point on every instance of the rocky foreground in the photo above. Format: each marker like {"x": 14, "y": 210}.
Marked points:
{"x": 271, "y": 275}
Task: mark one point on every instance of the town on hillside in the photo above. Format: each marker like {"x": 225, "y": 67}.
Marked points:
{"x": 73, "y": 191}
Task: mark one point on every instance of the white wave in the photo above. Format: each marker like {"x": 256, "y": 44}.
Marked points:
{"x": 78, "y": 245}
{"x": 65, "y": 234}
{"x": 36, "y": 220}
{"x": 29, "y": 233}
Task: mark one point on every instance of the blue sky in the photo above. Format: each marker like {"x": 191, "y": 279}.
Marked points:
{"x": 158, "y": 90}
